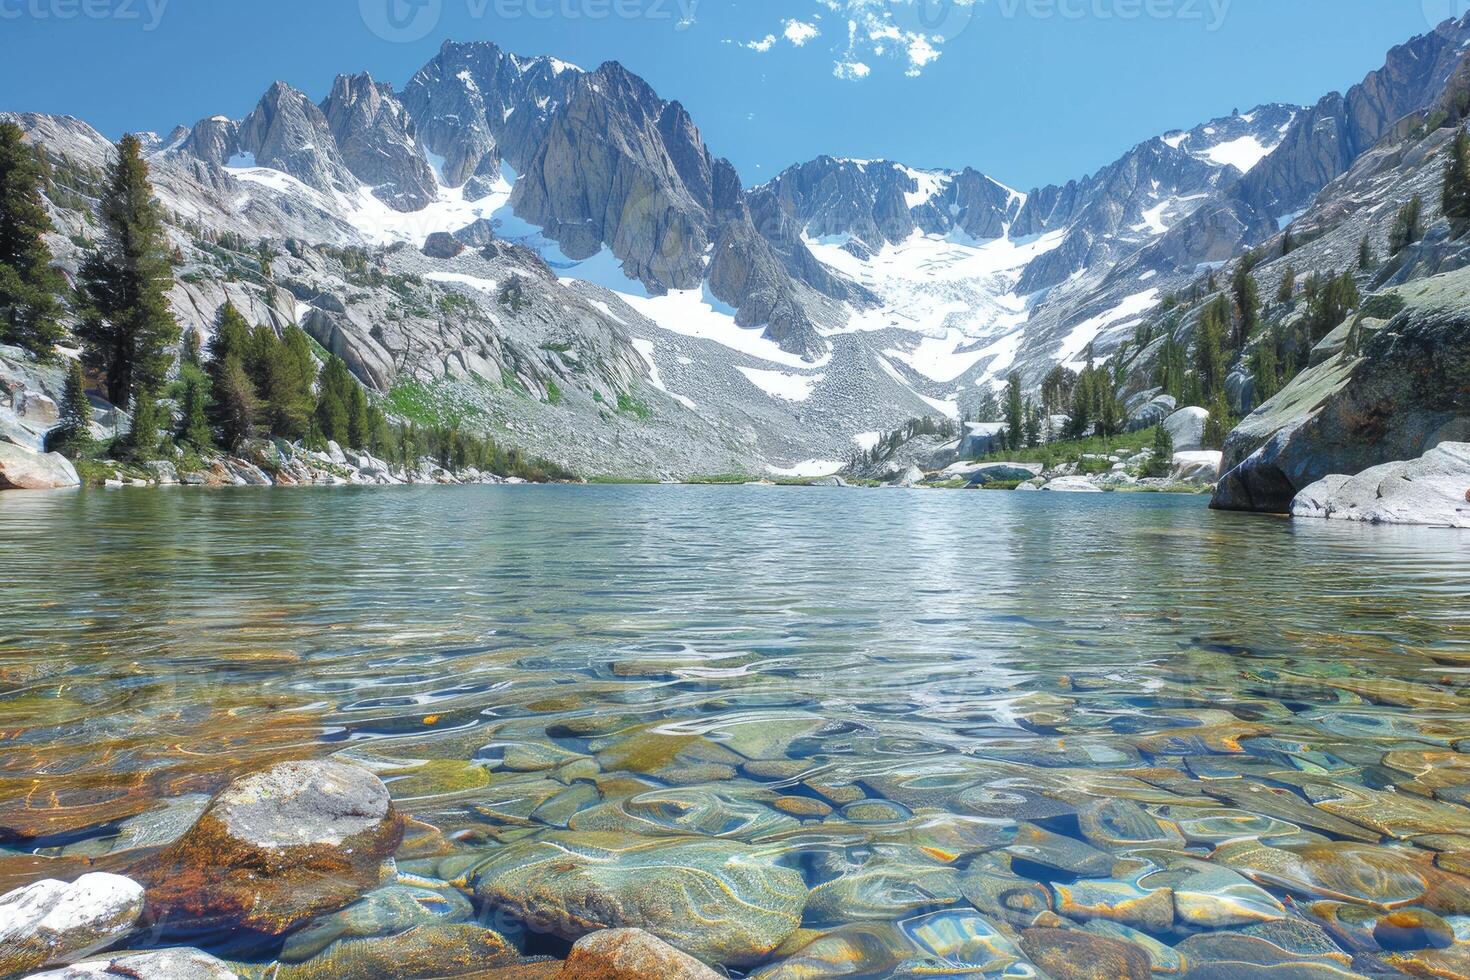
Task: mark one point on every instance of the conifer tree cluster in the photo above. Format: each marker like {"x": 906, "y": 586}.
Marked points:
{"x": 1408, "y": 225}
{"x": 1456, "y": 196}
{"x": 30, "y": 289}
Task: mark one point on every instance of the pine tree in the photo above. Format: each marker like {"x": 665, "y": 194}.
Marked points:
{"x": 1209, "y": 347}
{"x": 1456, "y": 195}
{"x": 73, "y": 436}
{"x": 1161, "y": 463}
{"x": 1217, "y": 427}
{"x": 1287, "y": 289}
{"x": 1082, "y": 406}
{"x": 292, "y": 411}
{"x": 194, "y": 407}
{"x": 142, "y": 440}
{"x": 1408, "y": 225}
{"x": 1247, "y": 304}
{"x": 333, "y": 415}
{"x": 30, "y": 289}
{"x": 1015, "y": 412}
{"x": 127, "y": 328}
{"x": 191, "y": 352}
{"x": 234, "y": 405}
{"x": 359, "y": 421}
{"x": 1365, "y": 255}
{"x": 1033, "y": 426}
{"x": 1288, "y": 242}
{"x": 1265, "y": 370}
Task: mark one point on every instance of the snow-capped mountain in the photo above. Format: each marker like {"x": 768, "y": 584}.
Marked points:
{"x": 778, "y": 324}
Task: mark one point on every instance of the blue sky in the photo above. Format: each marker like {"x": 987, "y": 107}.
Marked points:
{"x": 1029, "y": 91}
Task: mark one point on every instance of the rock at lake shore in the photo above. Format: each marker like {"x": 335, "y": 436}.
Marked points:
{"x": 1200, "y": 467}
{"x": 21, "y": 469}
{"x": 276, "y": 849}
{"x": 1072, "y": 484}
{"x": 161, "y": 964}
{"x": 1407, "y": 391}
{"x": 52, "y": 922}
{"x": 1187, "y": 428}
{"x": 1433, "y": 490}
{"x": 630, "y": 954}
{"x": 714, "y": 899}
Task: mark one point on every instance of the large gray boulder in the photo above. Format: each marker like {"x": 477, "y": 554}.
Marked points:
{"x": 1187, "y": 428}
{"x": 21, "y": 469}
{"x": 276, "y": 849}
{"x": 1431, "y": 490}
{"x": 52, "y": 922}
{"x": 1072, "y": 484}
{"x": 1407, "y": 391}
{"x": 1002, "y": 472}
{"x": 1201, "y": 467}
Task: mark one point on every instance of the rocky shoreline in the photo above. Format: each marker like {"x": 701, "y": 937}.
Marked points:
{"x": 295, "y": 870}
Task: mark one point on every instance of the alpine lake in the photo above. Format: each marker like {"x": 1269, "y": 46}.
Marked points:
{"x": 794, "y": 732}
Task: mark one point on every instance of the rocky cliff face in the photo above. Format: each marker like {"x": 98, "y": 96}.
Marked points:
{"x": 1407, "y": 391}
{"x": 476, "y": 105}
{"x": 881, "y": 202}
{"x": 289, "y": 133}
{"x": 375, "y": 136}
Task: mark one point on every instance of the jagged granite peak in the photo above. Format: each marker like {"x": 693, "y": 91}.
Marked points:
{"x": 476, "y": 105}
{"x": 375, "y": 136}
{"x": 214, "y": 140}
{"x": 881, "y": 202}
{"x": 1241, "y": 139}
{"x": 621, "y": 167}
{"x": 289, "y": 133}
{"x": 1326, "y": 139}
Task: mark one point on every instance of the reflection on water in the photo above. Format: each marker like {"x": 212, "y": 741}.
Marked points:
{"x": 823, "y": 676}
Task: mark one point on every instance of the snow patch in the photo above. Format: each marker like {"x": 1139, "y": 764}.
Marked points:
{"x": 1242, "y": 154}
{"x": 645, "y": 350}
{"x": 779, "y": 384}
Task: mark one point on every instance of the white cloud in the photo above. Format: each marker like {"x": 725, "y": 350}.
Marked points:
{"x": 905, "y": 30}
{"x": 910, "y": 32}
{"x": 799, "y": 32}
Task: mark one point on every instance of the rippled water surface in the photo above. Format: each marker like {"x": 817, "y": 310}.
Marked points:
{"x": 893, "y": 694}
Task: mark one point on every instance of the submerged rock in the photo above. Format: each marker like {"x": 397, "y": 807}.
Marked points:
{"x": 385, "y": 912}
{"x": 1378, "y": 877}
{"x": 159, "y": 964}
{"x": 630, "y": 954}
{"x": 1070, "y": 954}
{"x": 52, "y": 922}
{"x": 717, "y": 900}
{"x": 276, "y": 849}
{"x": 422, "y": 953}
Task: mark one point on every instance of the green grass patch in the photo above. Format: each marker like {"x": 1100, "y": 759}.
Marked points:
{"x": 631, "y": 406}
{"x": 553, "y": 394}
{"x": 429, "y": 404}
{"x": 1070, "y": 450}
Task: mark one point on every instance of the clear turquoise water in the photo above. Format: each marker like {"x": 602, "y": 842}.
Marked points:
{"x": 153, "y": 643}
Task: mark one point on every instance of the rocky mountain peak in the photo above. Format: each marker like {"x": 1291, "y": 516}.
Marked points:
{"x": 289, "y": 133}
{"x": 476, "y": 105}
{"x": 375, "y": 136}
